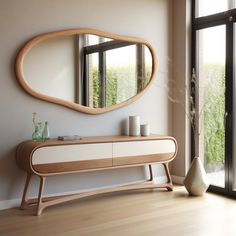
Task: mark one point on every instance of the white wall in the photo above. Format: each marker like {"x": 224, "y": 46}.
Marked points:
{"x": 21, "y": 20}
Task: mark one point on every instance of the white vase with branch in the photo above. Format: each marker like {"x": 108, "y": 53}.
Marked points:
{"x": 196, "y": 181}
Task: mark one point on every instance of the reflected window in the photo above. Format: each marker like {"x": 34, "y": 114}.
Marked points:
{"x": 114, "y": 71}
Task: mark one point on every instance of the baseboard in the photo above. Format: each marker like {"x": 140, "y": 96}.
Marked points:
{"x": 177, "y": 179}
{"x": 6, "y": 204}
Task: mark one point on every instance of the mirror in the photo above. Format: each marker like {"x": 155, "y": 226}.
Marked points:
{"x": 86, "y": 70}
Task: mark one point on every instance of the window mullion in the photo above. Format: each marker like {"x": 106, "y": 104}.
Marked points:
{"x": 229, "y": 106}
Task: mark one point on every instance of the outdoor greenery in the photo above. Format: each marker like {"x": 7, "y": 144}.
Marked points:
{"x": 214, "y": 109}
{"x": 120, "y": 84}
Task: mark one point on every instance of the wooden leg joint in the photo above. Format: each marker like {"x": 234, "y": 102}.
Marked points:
{"x": 41, "y": 187}
{"x": 169, "y": 184}
{"x": 24, "y": 201}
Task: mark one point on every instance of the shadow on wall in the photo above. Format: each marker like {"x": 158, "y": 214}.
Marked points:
{"x": 124, "y": 126}
{"x": 11, "y": 176}
{"x": 11, "y": 67}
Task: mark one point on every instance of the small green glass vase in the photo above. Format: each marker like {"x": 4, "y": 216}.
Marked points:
{"x": 36, "y": 136}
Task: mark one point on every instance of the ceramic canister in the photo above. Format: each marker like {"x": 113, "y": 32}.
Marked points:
{"x": 134, "y": 126}
{"x": 145, "y": 130}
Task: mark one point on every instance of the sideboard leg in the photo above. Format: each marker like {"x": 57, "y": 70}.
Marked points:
{"x": 24, "y": 201}
{"x": 151, "y": 173}
{"x": 41, "y": 187}
{"x": 169, "y": 181}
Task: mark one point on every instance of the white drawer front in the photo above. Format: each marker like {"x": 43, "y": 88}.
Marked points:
{"x": 68, "y": 153}
{"x": 139, "y": 148}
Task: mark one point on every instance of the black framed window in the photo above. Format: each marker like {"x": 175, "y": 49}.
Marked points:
{"x": 104, "y": 81}
{"x": 213, "y": 52}
{"x": 101, "y": 50}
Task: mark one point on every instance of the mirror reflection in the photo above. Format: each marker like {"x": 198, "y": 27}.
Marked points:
{"x": 89, "y": 70}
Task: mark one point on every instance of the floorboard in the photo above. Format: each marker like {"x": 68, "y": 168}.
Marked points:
{"x": 146, "y": 212}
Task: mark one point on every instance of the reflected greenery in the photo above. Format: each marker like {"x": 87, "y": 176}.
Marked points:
{"x": 120, "y": 84}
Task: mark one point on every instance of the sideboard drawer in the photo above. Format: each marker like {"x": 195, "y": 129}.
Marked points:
{"x": 128, "y": 153}
{"x": 51, "y": 159}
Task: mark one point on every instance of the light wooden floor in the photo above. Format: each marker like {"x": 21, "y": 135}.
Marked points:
{"x": 149, "y": 212}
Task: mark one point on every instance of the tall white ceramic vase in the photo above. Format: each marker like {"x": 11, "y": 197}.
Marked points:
{"x": 134, "y": 126}
{"x": 196, "y": 181}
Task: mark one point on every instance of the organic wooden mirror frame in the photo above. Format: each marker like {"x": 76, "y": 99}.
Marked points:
{"x": 77, "y": 107}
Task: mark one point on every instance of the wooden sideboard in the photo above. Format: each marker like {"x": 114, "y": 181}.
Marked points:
{"x": 55, "y": 157}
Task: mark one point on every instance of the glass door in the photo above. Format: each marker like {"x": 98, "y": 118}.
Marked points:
{"x": 214, "y": 57}
{"x": 211, "y": 69}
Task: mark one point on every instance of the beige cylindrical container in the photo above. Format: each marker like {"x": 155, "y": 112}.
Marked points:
{"x": 145, "y": 130}
{"x": 134, "y": 126}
